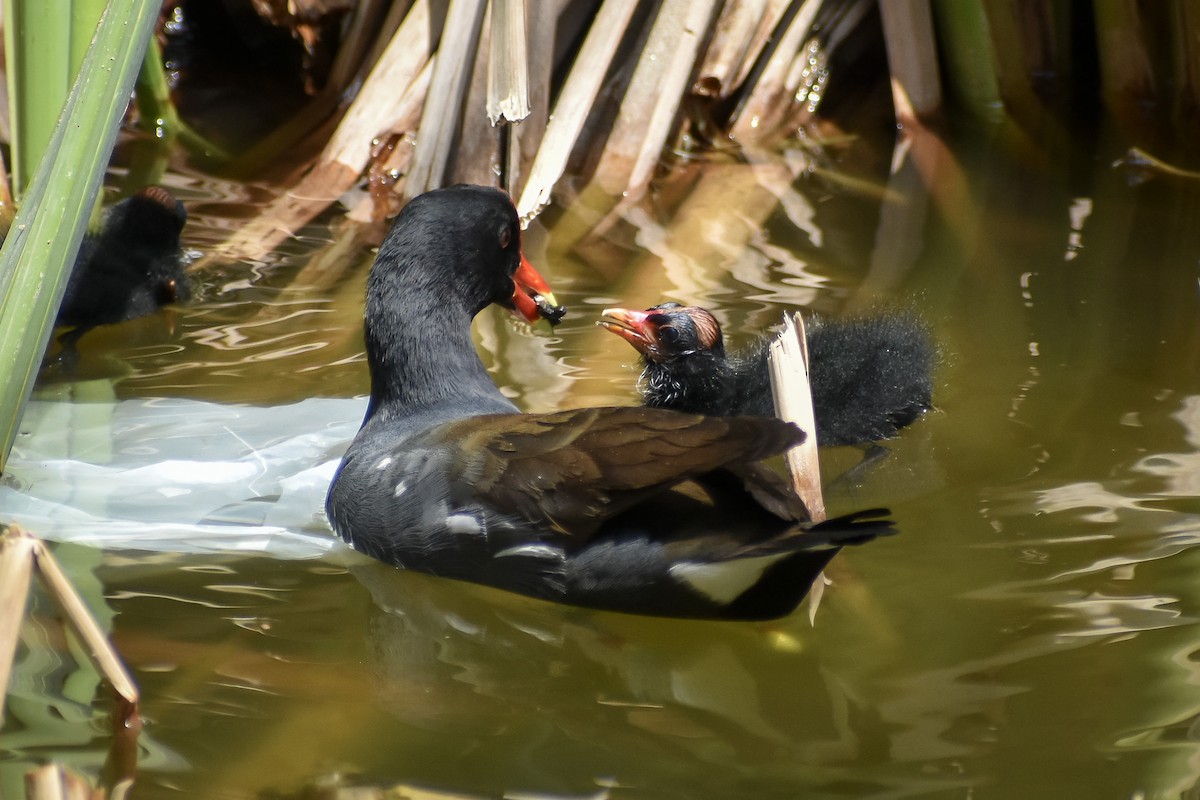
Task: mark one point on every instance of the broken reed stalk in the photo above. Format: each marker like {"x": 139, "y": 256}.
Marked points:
{"x": 674, "y": 86}
{"x": 652, "y": 99}
{"x": 769, "y": 94}
{"x": 732, "y": 37}
{"x": 99, "y": 649}
{"x": 437, "y": 135}
{"x": 508, "y": 101}
{"x": 574, "y": 102}
{"x": 375, "y": 110}
{"x": 793, "y": 402}
{"x": 16, "y": 569}
{"x": 21, "y": 552}
{"x": 508, "y": 63}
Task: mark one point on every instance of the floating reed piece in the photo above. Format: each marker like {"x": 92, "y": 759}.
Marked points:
{"x": 21, "y": 553}
{"x": 793, "y": 402}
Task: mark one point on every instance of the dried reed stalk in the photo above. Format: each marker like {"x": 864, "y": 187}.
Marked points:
{"x": 761, "y": 39}
{"x": 437, "y": 135}
{"x": 651, "y": 102}
{"x": 912, "y": 56}
{"x": 508, "y": 63}
{"x": 574, "y": 102}
{"x": 769, "y": 97}
{"x": 337, "y": 169}
{"x": 477, "y": 154}
{"x": 16, "y": 568}
{"x": 101, "y": 652}
{"x": 733, "y": 36}
{"x": 395, "y": 152}
{"x": 793, "y": 403}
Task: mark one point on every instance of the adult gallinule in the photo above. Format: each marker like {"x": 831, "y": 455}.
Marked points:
{"x": 870, "y": 376}
{"x": 634, "y": 509}
{"x": 131, "y": 267}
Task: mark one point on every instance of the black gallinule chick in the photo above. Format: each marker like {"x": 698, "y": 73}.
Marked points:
{"x": 870, "y": 376}
{"x": 634, "y": 509}
{"x": 131, "y": 267}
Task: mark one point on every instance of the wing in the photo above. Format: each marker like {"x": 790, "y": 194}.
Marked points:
{"x": 570, "y": 471}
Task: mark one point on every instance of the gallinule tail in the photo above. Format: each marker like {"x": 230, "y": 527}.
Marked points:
{"x": 870, "y": 376}
{"x": 636, "y": 509}
{"x": 129, "y": 269}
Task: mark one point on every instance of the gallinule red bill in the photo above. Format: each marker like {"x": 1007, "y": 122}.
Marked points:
{"x": 634, "y": 509}
{"x": 133, "y": 266}
{"x": 870, "y": 376}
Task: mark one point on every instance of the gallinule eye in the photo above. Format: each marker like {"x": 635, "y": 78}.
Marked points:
{"x": 870, "y": 376}
{"x": 129, "y": 269}
{"x": 634, "y": 509}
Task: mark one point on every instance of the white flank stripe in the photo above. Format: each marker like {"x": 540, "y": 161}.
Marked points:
{"x": 723, "y": 581}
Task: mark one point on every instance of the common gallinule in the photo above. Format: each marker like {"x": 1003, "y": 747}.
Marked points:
{"x": 131, "y": 267}
{"x": 633, "y": 509}
{"x": 870, "y": 375}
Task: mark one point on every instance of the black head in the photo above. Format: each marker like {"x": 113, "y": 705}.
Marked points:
{"x": 136, "y": 263}
{"x": 462, "y": 246}
{"x": 459, "y": 245}
{"x": 667, "y": 332}
{"x": 152, "y": 217}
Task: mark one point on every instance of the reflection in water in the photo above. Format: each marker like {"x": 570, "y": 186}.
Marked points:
{"x": 712, "y": 710}
{"x": 180, "y": 475}
{"x": 1031, "y": 633}
{"x": 1180, "y": 471}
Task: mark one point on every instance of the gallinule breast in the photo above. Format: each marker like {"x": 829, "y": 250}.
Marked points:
{"x": 635, "y": 509}
{"x": 132, "y": 267}
{"x": 870, "y": 376}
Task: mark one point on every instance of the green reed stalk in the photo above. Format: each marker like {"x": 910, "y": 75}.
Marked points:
{"x": 40, "y": 249}
{"x": 44, "y": 46}
{"x": 969, "y": 69}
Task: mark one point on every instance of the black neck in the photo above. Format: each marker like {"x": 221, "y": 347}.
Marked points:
{"x": 700, "y": 383}
{"x": 425, "y": 359}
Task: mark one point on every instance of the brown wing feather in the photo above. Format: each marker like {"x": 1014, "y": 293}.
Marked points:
{"x": 571, "y": 470}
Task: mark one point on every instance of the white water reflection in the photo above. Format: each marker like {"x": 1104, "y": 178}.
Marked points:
{"x": 180, "y": 475}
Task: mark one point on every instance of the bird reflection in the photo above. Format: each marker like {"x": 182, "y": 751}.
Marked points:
{"x": 654, "y": 696}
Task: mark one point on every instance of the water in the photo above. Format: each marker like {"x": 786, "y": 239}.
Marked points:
{"x": 1031, "y": 634}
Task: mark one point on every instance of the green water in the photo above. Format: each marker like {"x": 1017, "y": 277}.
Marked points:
{"x": 1031, "y": 634}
